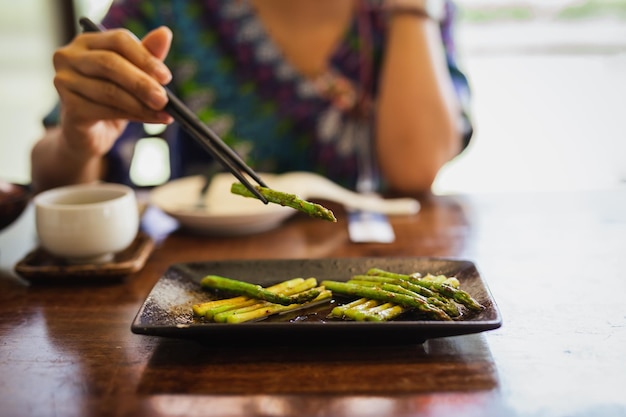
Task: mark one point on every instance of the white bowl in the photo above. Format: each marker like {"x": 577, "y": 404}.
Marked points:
{"x": 87, "y": 223}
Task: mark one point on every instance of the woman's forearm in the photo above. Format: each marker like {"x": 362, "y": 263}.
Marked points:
{"x": 418, "y": 127}
{"x": 54, "y": 164}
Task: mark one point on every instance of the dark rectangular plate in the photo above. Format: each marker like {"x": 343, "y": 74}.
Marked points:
{"x": 167, "y": 309}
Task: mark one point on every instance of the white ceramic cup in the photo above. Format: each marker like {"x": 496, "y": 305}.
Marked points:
{"x": 87, "y": 223}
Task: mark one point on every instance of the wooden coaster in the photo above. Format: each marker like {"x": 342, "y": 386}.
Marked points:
{"x": 40, "y": 265}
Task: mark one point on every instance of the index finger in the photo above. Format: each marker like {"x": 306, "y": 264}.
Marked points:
{"x": 126, "y": 44}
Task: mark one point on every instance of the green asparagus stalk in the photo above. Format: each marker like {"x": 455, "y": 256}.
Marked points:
{"x": 436, "y": 300}
{"x": 243, "y": 308}
{"x": 290, "y": 287}
{"x": 442, "y": 279}
{"x": 390, "y": 313}
{"x": 443, "y": 288}
{"x": 457, "y": 294}
{"x": 256, "y": 291}
{"x": 213, "y": 313}
{"x": 286, "y": 199}
{"x": 201, "y": 309}
{"x": 405, "y": 283}
{"x": 405, "y": 287}
{"x": 355, "y": 312}
{"x": 416, "y": 276}
{"x": 221, "y": 315}
{"x": 209, "y": 308}
{"x": 265, "y": 309}
{"x": 338, "y": 311}
{"x": 373, "y": 314}
{"x": 366, "y": 309}
{"x": 379, "y": 294}
{"x": 389, "y": 274}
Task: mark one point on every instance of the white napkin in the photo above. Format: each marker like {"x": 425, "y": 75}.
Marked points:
{"x": 366, "y": 226}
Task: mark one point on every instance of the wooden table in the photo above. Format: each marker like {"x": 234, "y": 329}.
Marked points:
{"x": 554, "y": 263}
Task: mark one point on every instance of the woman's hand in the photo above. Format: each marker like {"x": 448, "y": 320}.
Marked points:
{"x": 106, "y": 79}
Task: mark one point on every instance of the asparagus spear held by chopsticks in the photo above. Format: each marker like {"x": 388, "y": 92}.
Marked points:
{"x": 288, "y": 200}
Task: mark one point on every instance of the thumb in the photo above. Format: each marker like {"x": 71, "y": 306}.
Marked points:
{"x": 158, "y": 42}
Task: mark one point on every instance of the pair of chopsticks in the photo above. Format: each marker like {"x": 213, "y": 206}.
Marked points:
{"x": 200, "y": 132}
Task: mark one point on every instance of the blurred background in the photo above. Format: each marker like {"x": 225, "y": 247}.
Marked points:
{"x": 548, "y": 80}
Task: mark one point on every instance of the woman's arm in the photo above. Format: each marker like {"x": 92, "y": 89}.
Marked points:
{"x": 53, "y": 163}
{"x": 418, "y": 128}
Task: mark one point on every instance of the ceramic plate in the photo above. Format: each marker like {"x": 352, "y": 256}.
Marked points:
{"x": 167, "y": 309}
{"x": 223, "y": 213}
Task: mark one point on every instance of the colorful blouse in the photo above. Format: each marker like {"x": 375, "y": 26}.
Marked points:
{"x": 230, "y": 73}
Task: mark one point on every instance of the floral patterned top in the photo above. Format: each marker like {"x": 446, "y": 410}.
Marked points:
{"x": 230, "y": 73}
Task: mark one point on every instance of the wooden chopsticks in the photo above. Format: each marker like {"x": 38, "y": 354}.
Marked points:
{"x": 208, "y": 139}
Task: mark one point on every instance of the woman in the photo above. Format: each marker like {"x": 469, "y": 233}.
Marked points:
{"x": 284, "y": 82}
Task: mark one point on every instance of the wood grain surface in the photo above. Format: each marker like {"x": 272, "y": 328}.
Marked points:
{"x": 554, "y": 264}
